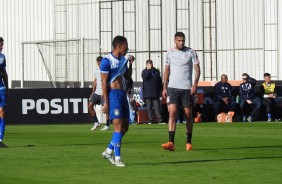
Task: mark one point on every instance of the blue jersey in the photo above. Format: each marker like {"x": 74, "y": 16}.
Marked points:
{"x": 113, "y": 66}
{"x": 2, "y": 66}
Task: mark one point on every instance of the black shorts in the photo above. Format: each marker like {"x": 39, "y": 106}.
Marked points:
{"x": 177, "y": 96}
{"x": 96, "y": 99}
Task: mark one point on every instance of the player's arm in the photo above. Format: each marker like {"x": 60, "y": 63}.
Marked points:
{"x": 197, "y": 77}
{"x": 196, "y": 63}
{"x": 105, "y": 68}
{"x": 166, "y": 77}
{"x": 5, "y": 78}
{"x": 105, "y": 89}
{"x": 94, "y": 85}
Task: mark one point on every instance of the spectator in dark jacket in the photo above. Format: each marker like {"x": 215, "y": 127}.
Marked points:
{"x": 152, "y": 88}
{"x": 247, "y": 97}
{"x": 223, "y": 94}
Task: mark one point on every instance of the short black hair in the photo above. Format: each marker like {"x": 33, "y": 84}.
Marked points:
{"x": 266, "y": 75}
{"x": 149, "y": 61}
{"x": 179, "y": 34}
{"x": 224, "y": 75}
{"x": 118, "y": 40}
{"x": 246, "y": 75}
{"x": 99, "y": 58}
{"x": 1, "y": 39}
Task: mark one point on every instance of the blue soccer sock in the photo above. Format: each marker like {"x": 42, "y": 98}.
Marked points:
{"x": 111, "y": 146}
{"x": 2, "y": 128}
{"x": 116, "y": 142}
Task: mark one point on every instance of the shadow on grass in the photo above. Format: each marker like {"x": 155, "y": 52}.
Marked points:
{"x": 78, "y": 144}
{"x": 210, "y": 160}
{"x": 56, "y": 145}
{"x": 245, "y": 147}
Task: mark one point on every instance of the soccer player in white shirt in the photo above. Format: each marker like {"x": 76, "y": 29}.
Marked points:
{"x": 96, "y": 98}
{"x": 178, "y": 86}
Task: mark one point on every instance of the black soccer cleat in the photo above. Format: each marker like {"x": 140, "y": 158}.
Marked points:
{"x": 2, "y": 145}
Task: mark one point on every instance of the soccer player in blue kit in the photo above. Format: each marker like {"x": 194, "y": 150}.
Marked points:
{"x": 112, "y": 68}
{"x": 3, "y": 92}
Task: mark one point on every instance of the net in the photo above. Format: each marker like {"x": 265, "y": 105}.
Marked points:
{"x": 59, "y": 64}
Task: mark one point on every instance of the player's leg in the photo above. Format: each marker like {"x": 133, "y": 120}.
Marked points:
{"x": 122, "y": 128}
{"x": 108, "y": 121}
{"x": 186, "y": 99}
{"x": 107, "y": 126}
{"x": 2, "y": 126}
{"x": 116, "y": 140}
{"x": 172, "y": 101}
{"x": 125, "y": 115}
{"x": 2, "y": 117}
{"x": 116, "y": 115}
{"x": 93, "y": 100}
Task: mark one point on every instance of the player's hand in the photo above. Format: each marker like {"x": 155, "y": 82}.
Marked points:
{"x": 164, "y": 93}
{"x": 249, "y": 102}
{"x": 105, "y": 109}
{"x": 131, "y": 59}
{"x": 225, "y": 100}
{"x": 193, "y": 89}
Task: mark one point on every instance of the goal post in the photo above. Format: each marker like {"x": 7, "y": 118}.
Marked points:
{"x": 68, "y": 63}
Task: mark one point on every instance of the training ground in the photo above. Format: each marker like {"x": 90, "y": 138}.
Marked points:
{"x": 222, "y": 153}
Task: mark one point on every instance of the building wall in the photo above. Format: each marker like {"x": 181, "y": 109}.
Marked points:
{"x": 23, "y": 20}
{"x": 30, "y": 20}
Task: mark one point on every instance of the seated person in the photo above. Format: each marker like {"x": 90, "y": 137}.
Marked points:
{"x": 223, "y": 96}
{"x": 247, "y": 97}
{"x": 269, "y": 95}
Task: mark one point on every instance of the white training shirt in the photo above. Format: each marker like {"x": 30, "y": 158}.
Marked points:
{"x": 181, "y": 67}
{"x": 97, "y": 76}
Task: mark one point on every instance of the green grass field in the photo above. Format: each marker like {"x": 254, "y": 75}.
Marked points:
{"x": 222, "y": 153}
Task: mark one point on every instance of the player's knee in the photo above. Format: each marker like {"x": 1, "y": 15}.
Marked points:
{"x": 90, "y": 108}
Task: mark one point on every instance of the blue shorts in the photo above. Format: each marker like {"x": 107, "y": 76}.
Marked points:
{"x": 2, "y": 97}
{"x": 119, "y": 108}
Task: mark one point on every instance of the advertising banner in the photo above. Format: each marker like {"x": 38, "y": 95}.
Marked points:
{"x": 45, "y": 106}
